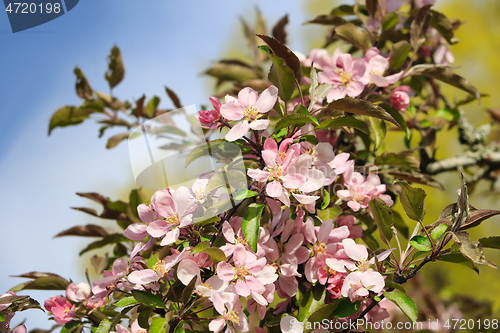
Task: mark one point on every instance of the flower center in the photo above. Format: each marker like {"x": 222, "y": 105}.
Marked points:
{"x": 66, "y": 310}
{"x": 319, "y": 249}
{"x": 200, "y": 194}
{"x": 331, "y": 271}
{"x": 233, "y": 316}
{"x": 363, "y": 265}
{"x": 173, "y": 219}
{"x": 241, "y": 240}
{"x": 159, "y": 267}
{"x": 374, "y": 71}
{"x": 241, "y": 272}
{"x": 276, "y": 173}
{"x": 345, "y": 78}
{"x": 251, "y": 113}
{"x": 282, "y": 155}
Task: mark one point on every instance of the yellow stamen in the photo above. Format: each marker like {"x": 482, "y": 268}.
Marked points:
{"x": 282, "y": 155}
{"x": 173, "y": 219}
{"x": 320, "y": 248}
{"x": 241, "y": 240}
{"x": 345, "y": 78}
{"x": 159, "y": 268}
{"x": 251, "y": 113}
{"x": 233, "y": 316}
{"x": 242, "y": 272}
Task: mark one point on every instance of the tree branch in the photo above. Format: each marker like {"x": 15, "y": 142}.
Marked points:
{"x": 487, "y": 157}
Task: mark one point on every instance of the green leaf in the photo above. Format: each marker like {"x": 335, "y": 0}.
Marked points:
{"x": 71, "y": 326}
{"x": 148, "y": 299}
{"x": 129, "y": 300}
{"x": 232, "y": 72}
{"x": 441, "y": 23}
{"x": 330, "y": 213}
{"x": 244, "y": 193}
{"x": 404, "y": 302}
{"x": 187, "y": 293}
{"x": 346, "y": 308}
{"x": 313, "y": 300}
{"x": 413, "y": 201}
{"x": 471, "y": 250}
{"x": 394, "y": 285}
{"x": 108, "y": 240}
{"x": 83, "y": 89}
{"x": 438, "y": 231}
{"x": 180, "y": 328}
{"x": 158, "y": 325}
{"x": 215, "y": 253}
{"x": 379, "y": 131}
{"x": 458, "y": 258}
{"x": 322, "y": 313}
{"x": 326, "y": 200}
{"x": 390, "y": 20}
{"x": 251, "y": 224}
{"x": 2, "y": 317}
{"x": 297, "y": 119}
{"x": 421, "y": 243}
{"x": 116, "y": 139}
{"x": 349, "y": 33}
{"x": 43, "y": 283}
{"x": 116, "y": 69}
{"x": 446, "y": 75}
{"x": 491, "y": 242}
{"x": 382, "y": 214}
{"x": 202, "y": 150}
{"x": 152, "y": 106}
{"x": 398, "y": 54}
{"x": 104, "y": 326}
{"x": 361, "y": 107}
{"x": 404, "y": 159}
{"x": 399, "y": 119}
{"x": 281, "y": 51}
{"x": 344, "y": 121}
{"x": 419, "y": 27}
{"x": 67, "y": 115}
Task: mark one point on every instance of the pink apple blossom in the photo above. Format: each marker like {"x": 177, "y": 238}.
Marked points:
{"x": 249, "y": 108}
{"x": 210, "y": 118}
{"x": 249, "y": 274}
{"x": 138, "y": 231}
{"x": 174, "y": 206}
{"x": 61, "y": 308}
{"x": 233, "y": 318}
{"x": 400, "y": 98}
{"x": 360, "y": 190}
{"x": 346, "y": 77}
{"x": 376, "y": 67}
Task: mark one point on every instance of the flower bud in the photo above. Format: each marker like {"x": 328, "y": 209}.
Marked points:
{"x": 400, "y": 98}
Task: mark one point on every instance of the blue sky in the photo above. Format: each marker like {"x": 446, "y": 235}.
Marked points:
{"x": 162, "y": 43}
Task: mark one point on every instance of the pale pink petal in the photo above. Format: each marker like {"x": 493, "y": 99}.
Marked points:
{"x": 239, "y": 255}
{"x": 358, "y": 69}
{"x": 247, "y": 96}
{"x": 355, "y": 88}
{"x": 288, "y": 284}
{"x": 382, "y": 256}
{"x": 270, "y": 144}
{"x": 294, "y": 243}
{"x": 242, "y": 288}
{"x": 379, "y": 80}
{"x": 274, "y": 189}
{"x": 266, "y": 275}
{"x": 216, "y": 325}
{"x": 355, "y": 251}
{"x": 255, "y": 284}
{"x": 146, "y": 213}
{"x": 186, "y": 270}
{"x": 267, "y": 99}
{"x": 158, "y": 228}
{"x": 324, "y": 152}
{"x": 225, "y": 271}
{"x": 324, "y": 231}
{"x": 136, "y": 231}
{"x": 232, "y": 110}
{"x": 258, "y": 298}
{"x": 315, "y": 180}
{"x": 228, "y": 232}
{"x": 259, "y": 124}
{"x": 171, "y": 237}
{"x": 269, "y": 157}
{"x": 258, "y": 175}
{"x": 294, "y": 180}
{"x": 394, "y": 77}
{"x": 354, "y": 205}
{"x": 306, "y": 199}
{"x": 344, "y": 61}
{"x": 238, "y": 131}
{"x": 336, "y": 93}
{"x": 143, "y": 277}
{"x": 373, "y": 281}
{"x": 217, "y": 302}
